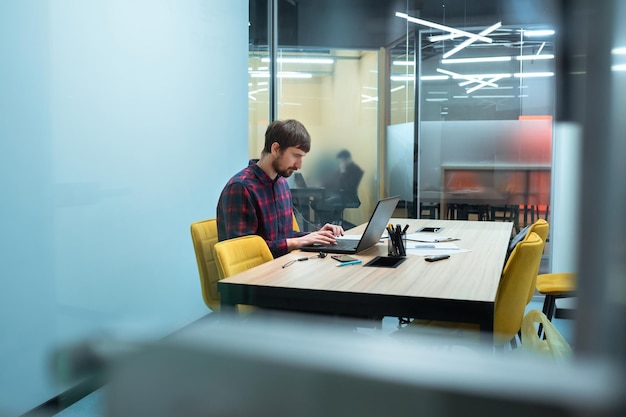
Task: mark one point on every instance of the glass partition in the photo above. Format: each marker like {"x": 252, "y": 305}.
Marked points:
{"x": 334, "y": 93}
{"x": 485, "y": 131}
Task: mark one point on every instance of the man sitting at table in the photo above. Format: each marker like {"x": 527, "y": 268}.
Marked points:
{"x": 257, "y": 200}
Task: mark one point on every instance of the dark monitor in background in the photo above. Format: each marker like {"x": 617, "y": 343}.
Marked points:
{"x": 298, "y": 178}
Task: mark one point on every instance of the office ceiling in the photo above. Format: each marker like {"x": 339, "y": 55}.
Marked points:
{"x": 371, "y": 24}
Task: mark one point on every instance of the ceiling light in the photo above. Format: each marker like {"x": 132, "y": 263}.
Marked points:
{"x": 533, "y": 57}
{"x": 470, "y": 41}
{"x": 477, "y": 78}
{"x": 367, "y": 98}
{"x": 480, "y": 59}
{"x": 619, "y": 51}
{"x": 281, "y": 74}
{"x": 436, "y": 99}
{"x": 495, "y": 96}
{"x": 533, "y": 74}
{"x": 294, "y": 60}
{"x": 401, "y": 77}
{"x": 538, "y": 33}
{"x": 543, "y": 44}
{"x": 482, "y": 84}
{"x": 433, "y": 77}
{"x": 403, "y": 63}
{"x": 393, "y": 90}
{"x": 621, "y": 67}
{"x": 443, "y": 27}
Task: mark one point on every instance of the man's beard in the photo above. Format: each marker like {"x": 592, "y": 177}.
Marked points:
{"x": 286, "y": 173}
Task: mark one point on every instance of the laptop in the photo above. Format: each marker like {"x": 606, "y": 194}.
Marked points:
{"x": 371, "y": 236}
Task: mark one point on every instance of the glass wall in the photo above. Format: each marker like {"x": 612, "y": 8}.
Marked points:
{"x": 119, "y": 129}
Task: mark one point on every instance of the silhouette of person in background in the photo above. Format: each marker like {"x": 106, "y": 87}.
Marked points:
{"x": 341, "y": 190}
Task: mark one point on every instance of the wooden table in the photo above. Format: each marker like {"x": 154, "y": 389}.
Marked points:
{"x": 460, "y": 289}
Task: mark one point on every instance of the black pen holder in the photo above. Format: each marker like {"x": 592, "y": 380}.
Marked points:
{"x": 396, "y": 245}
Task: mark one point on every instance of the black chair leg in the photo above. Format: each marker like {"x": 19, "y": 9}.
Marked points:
{"x": 548, "y": 309}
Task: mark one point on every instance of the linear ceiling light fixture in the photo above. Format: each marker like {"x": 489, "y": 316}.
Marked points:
{"x": 403, "y": 63}
{"x": 482, "y": 84}
{"x": 619, "y": 51}
{"x": 295, "y": 60}
{"x": 434, "y": 77}
{"x": 533, "y": 74}
{"x": 534, "y": 57}
{"x": 393, "y": 90}
{"x": 538, "y": 33}
{"x": 281, "y": 74}
{"x": 478, "y": 59}
{"x": 470, "y": 41}
{"x": 367, "y": 99}
{"x": 473, "y": 78}
{"x": 433, "y": 25}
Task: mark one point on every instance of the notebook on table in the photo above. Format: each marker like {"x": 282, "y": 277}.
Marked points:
{"x": 371, "y": 236}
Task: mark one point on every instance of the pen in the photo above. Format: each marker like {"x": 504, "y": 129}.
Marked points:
{"x": 357, "y": 261}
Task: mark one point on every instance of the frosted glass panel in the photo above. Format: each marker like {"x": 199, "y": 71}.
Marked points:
{"x": 121, "y": 121}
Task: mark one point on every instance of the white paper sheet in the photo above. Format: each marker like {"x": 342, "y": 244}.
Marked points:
{"x": 426, "y": 249}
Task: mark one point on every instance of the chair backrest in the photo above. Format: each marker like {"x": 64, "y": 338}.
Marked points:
{"x": 240, "y": 254}
{"x": 204, "y": 237}
{"x": 296, "y": 227}
{"x": 542, "y": 228}
{"x": 517, "y": 277}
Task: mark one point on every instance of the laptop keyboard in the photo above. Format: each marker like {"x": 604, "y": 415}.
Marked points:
{"x": 344, "y": 244}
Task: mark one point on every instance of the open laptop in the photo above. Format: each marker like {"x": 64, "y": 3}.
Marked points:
{"x": 371, "y": 236}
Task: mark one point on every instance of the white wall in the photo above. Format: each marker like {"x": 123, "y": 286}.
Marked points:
{"x": 120, "y": 121}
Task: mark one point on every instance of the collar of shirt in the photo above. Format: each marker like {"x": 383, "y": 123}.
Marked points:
{"x": 260, "y": 174}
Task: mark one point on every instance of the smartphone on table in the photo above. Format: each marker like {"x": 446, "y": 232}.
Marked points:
{"x": 343, "y": 258}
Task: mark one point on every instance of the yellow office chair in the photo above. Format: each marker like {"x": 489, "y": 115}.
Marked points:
{"x": 554, "y": 286}
{"x": 296, "y": 227}
{"x": 510, "y": 303}
{"x": 542, "y": 228}
{"x": 240, "y": 254}
{"x": 204, "y": 237}
{"x": 517, "y": 278}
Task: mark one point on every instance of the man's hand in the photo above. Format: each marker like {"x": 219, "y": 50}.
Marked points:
{"x": 334, "y": 229}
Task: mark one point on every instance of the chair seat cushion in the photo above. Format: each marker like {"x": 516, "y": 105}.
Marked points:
{"x": 556, "y": 284}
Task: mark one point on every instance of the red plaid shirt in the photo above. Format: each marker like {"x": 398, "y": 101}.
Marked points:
{"x": 252, "y": 203}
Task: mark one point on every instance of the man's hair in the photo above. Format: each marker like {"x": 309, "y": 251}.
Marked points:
{"x": 287, "y": 133}
{"x": 344, "y": 154}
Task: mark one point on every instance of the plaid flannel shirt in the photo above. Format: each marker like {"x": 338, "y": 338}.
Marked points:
{"x": 252, "y": 203}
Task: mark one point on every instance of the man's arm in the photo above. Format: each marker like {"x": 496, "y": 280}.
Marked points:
{"x": 236, "y": 215}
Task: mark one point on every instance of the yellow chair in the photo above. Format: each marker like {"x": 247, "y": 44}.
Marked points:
{"x": 510, "y": 304}
{"x": 517, "y": 279}
{"x": 542, "y": 228}
{"x": 554, "y": 286}
{"x": 240, "y": 254}
{"x": 296, "y": 227}
{"x": 204, "y": 237}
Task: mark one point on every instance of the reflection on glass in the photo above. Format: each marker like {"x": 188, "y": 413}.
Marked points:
{"x": 485, "y": 130}
{"x": 334, "y": 93}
